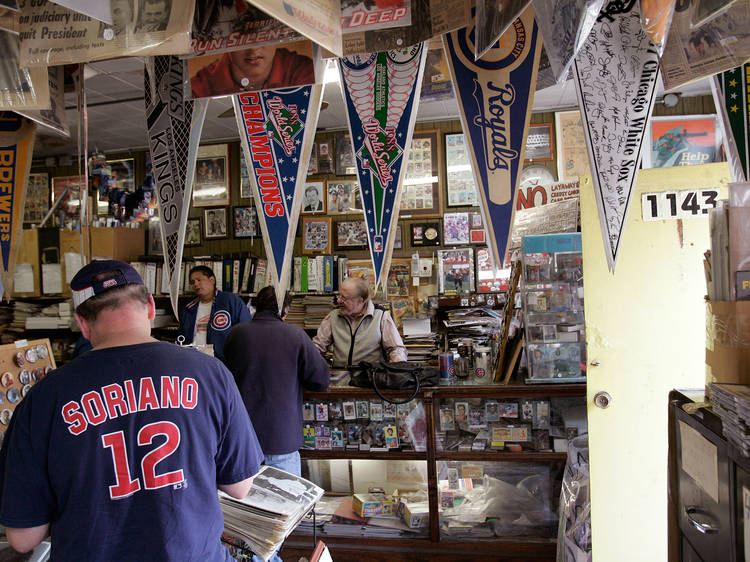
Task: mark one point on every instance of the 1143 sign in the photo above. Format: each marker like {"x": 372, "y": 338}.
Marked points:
{"x": 688, "y": 204}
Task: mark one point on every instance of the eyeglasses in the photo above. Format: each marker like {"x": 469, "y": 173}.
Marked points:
{"x": 342, "y": 298}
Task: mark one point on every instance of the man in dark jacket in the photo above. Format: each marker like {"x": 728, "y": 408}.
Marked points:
{"x": 272, "y": 362}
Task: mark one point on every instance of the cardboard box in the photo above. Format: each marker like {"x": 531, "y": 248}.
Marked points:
{"x": 28, "y": 253}
{"x": 728, "y": 342}
{"x": 372, "y": 505}
{"x": 125, "y": 244}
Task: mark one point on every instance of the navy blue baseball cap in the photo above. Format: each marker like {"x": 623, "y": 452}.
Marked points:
{"x": 85, "y": 284}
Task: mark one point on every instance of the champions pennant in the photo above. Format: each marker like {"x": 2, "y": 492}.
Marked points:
{"x": 616, "y": 72}
{"x": 16, "y": 148}
{"x": 277, "y": 129}
{"x": 495, "y": 95}
{"x": 174, "y": 126}
{"x": 731, "y": 91}
{"x": 381, "y": 91}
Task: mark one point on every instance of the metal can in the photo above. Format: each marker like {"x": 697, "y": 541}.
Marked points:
{"x": 447, "y": 370}
{"x": 482, "y": 363}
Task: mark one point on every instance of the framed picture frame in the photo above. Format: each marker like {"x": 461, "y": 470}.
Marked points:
{"x": 155, "y": 244}
{"x": 324, "y": 149}
{"x": 37, "y": 198}
{"x": 344, "y": 197}
{"x": 572, "y": 154}
{"x": 245, "y": 221}
{"x": 540, "y": 145}
{"x": 71, "y": 202}
{"x": 316, "y": 235}
{"x": 455, "y": 228}
{"x": 489, "y": 278}
{"x": 421, "y": 187}
{"x": 477, "y": 236}
{"x": 211, "y": 183}
{"x": 312, "y": 164}
{"x": 460, "y": 184}
{"x": 424, "y": 234}
{"x": 456, "y": 271}
{"x": 351, "y": 235}
{"x": 346, "y": 164}
{"x": 246, "y": 188}
{"x": 215, "y": 223}
{"x": 314, "y": 198}
{"x": 681, "y": 140}
{"x": 193, "y": 232}
{"x": 399, "y": 278}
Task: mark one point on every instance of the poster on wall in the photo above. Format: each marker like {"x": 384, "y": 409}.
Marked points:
{"x": 628, "y": 89}
{"x": 501, "y": 83}
{"x": 572, "y": 154}
{"x": 681, "y": 140}
{"x": 37, "y": 198}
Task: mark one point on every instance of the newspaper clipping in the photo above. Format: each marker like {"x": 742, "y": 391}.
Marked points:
{"x": 53, "y": 118}
{"x": 365, "y": 15}
{"x": 20, "y": 88}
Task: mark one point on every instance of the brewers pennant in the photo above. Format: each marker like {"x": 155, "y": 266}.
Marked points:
{"x": 731, "y": 90}
{"x": 277, "y": 129}
{"x": 174, "y": 126}
{"x": 616, "y": 72}
{"x": 16, "y": 148}
{"x": 495, "y": 95}
{"x": 381, "y": 91}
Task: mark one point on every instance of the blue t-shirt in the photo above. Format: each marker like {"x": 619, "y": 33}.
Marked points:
{"x": 121, "y": 451}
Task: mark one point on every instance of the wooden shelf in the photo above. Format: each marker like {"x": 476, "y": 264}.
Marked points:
{"x": 463, "y": 391}
{"x": 500, "y": 456}
{"x": 367, "y": 455}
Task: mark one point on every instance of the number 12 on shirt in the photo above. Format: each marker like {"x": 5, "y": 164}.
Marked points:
{"x": 687, "y": 204}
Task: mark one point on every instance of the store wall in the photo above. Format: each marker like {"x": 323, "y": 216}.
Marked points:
{"x": 645, "y": 333}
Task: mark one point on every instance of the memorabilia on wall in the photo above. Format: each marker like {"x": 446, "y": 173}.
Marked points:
{"x": 193, "y": 232}
{"x": 312, "y": 165}
{"x": 71, "y": 204}
{"x": 211, "y": 184}
{"x": 246, "y": 188}
{"x": 316, "y": 235}
{"x": 345, "y": 164}
{"x": 362, "y": 269}
{"x": 462, "y": 190}
{"x": 456, "y": 228}
{"x": 397, "y": 243}
{"x": 477, "y": 236}
{"x": 215, "y": 223}
{"x": 37, "y": 198}
{"x": 325, "y": 155}
{"x": 490, "y": 279}
{"x": 572, "y": 154}
{"x": 456, "y": 271}
{"x": 420, "y": 190}
{"x": 351, "y": 235}
{"x": 399, "y": 278}
{"x": 539, "y": 142}
{"x": 245, "y": 222}
{"x": 425, "y": 234}
{"x": 344, "y": 197}
{"x": 314, "y": 198}
{"x": 683, "y": 140}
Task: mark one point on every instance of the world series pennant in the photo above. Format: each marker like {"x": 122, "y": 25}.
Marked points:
{"x": 616, "y": 72}
{"x": 277, "y": 129}
{"x": 381, "y": 91}
{"x": 495, "y": 95}
{"x": 16, "y": 148}
{"x": 174, "y": 126}
{"x": 732, "y": 99}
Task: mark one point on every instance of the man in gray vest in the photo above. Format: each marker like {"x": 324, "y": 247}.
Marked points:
{"x": 357, "y": 330}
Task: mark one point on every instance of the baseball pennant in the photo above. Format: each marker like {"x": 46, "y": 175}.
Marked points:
{"x": 381, "y": 91}
{"x": 616, "y": 73}
{"x": 495, "y": 95}
{"x": 731, "y": 91}
{"x": 277, "y": 129}
{"x": 174, "y": 125}
{"x": 16, "y": 149}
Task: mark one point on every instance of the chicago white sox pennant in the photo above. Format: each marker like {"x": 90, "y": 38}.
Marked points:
{"x": 495, "y": 95}
{"x": 381, "y": 91}
{"x": 277, "y": 129}
{"x": 616, "y": 72}
{"x": 174, "y": 126}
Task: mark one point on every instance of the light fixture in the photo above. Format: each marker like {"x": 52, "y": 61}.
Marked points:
{"x": 671, "y": 100}
{"x": 332, "y": 72}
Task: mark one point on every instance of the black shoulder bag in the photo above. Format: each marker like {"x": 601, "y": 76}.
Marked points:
{"x": 403, "y": 375}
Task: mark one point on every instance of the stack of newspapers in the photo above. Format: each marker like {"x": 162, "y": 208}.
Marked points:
{"x": 274, "y": 506}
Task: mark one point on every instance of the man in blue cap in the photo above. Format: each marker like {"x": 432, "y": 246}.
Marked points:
{"x": 119, "y": 453}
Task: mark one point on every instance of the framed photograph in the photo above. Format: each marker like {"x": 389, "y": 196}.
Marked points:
{"x": 462, "y": 412}
{"x": 351, "y": 235}
{"x": 345, "y": 161}
{"x": 211, "y": 184}
{"x": 312, "y": 165}
{"x": 246, "y": 189}
{"x": 462, "y": 190}
{"x": 455, "y": 228}
{"x": 193, "y": 232}
{"x": 399, "y": 278}
{"x": 123, "y": 173}
{"x": 325, "y": 155}
{"x": 245, "y": 222}
{"x": 477, "y": 236}
{"x": 425, "y": 233}
{"x": 71, "y": 203}
{"x": 37, "y": 198}
{"x": 681, "y": 140}
{"x": 539, "y": 143}
{"x": 314, "y": 198}
{"x": 215, "y": 223}
{"x": 155, "y": 245}
{"x": 421, "y": 188}
{"x": 456, "y": 271}
{"x": 344, "y": 197}
{"x": 572, "y": 154}
{"x": 490, "y": 279}
{"x": 316, "y": 235}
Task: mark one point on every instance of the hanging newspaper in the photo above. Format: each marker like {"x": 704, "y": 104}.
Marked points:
{"x": 495, "y": 95}
{"x": 16, "y": 148}
{"x": 731, "y": 91}
{"x": 381, "y": 91}
{"x": 616, "y": 73}
{"x": 277, "y": 130}
{"x": 20, "y": 88}
{"x": 564, "y": 26}
{"x": 174, "y": 126}
{"x": 53, "y": 118}
{"x": 366, "y": 16}
{"x": 51, "y": 34}
{"x": 492, "y": 19}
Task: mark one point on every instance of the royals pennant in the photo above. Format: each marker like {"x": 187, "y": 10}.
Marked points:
{"x": 495, "y": 95}
{"x": 381, "y": 91}
{"x": 277, "y": 128}
{"x": 616, "y": 72}
{"x": 16, "y": 148}
{"x": 731, "y": 91}
{"x": 174, "y": 126}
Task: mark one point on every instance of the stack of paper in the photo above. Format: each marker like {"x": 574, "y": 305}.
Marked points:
{"x": 296, "y": 313}
{"x": 274, "y": 506}
{"x": 22, "y": 311}
{"x": 732, "y": 404}
{"x": 317, "y": 307}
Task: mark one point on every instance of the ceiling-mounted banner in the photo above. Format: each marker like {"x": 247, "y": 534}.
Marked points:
{"x": 564, "y": 25}
{"x": 492, "y": 19}
{"x": 616, "y": 73}
{"x": 731, "y": 92}
{"x": 277, "y": 130}
{"x": 16, "y": 148}
{"x": 495, "y": 95}
{"x": 656, "y": 17}
{"x": 174, "y": 126}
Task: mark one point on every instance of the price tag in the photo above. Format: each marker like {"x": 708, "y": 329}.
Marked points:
{"x": 687, "y": 204}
